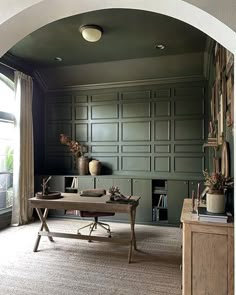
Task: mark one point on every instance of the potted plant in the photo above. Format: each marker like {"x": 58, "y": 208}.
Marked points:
{"x": 217, "y": 184}
{"x": 78, "y": 151}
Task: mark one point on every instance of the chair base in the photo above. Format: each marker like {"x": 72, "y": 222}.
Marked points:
{"x": 93, "y": 226}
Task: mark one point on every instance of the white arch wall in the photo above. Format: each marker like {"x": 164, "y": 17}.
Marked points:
{"x": 20, "y": 18}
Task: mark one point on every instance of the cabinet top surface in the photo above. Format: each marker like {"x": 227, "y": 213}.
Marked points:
{"x": 188, "y": 217}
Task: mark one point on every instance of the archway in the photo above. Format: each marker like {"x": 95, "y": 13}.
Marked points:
{"x": 26, "y": 17}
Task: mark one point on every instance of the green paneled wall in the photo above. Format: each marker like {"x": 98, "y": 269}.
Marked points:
{"x": 156, "y": 130}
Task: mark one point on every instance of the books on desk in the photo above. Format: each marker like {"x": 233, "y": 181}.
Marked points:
{"x": 206, "y": 216}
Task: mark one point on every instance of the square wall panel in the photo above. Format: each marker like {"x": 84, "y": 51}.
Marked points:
{"x": 81, "y": 113}
{"x": 189, "y": 129}
{"x": 104, "y": 97}
{"x": 136, "y": 148}
{"x": 81, "y": 132}
{"x": 109, "y": 164}
{"x": 109, "y": 111}
{"x": 54, "y": 131}
{"x": 162, "y": 130}
{"x": 136, "y": 110}
{"x": 162, "y": 108}
{"x": 136, "y": 131}
{"x": 136, "y": 163}
{"x": 188, "y": 164}
{"x": 162, "y": 148}
{"x": 59, "y": 112}
{"x": 162, "y": 164}
{"x": 189, "y": 107}
{"x": 81, "y": 98}
{"x": 104, "y": 131}
{"x": 142, "y": 94}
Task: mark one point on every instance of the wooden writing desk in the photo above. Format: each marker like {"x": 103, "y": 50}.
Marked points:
{"x": 76, "y": 202}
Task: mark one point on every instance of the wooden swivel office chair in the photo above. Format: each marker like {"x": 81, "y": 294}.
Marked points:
{"x": 93, "y": 225}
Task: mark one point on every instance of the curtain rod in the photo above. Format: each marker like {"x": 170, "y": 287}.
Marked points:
{"x": 8, "y": 66}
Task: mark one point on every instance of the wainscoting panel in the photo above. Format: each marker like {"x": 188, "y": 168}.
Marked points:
{"x": 162, "y": 130}
{"x": 81, "y": 113}
{"x": 189, "y": 129}
{"x": 162, "y": 148}
{"x": 81, "y": 98}
{"x": 162, "y": 92}
{"x": 109, "y": 111}
{"x": 190, "y": 164}
{"x": 61, "y": 112}
{"x": 188, "y": 107}
{"x": 136, "y": 131}
{"x": 147, "y": 129}
{"x": 104, "y": 149}
{"x": 141, "y": 164}
{"x": 162, "y": 164}
{"x": 136, "y": 149}
{"x": 81, "y": 132}
{"x": 104, "y": 132}
{"x": 104, "y": 97}
{"x": 136, "y": 110}
{"x": 142, "y": 94}
{"x": 162, "y": 109}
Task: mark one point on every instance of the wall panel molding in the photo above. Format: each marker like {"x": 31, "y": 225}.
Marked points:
{"x": 147, "y": 129}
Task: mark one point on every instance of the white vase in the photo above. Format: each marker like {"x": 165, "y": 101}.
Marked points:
{"x": 215, "y": 202}
{"x": 95, "y": 167}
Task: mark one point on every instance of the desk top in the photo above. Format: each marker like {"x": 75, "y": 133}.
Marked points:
{"x": 188, "y": 217}
{"x": 71, "y": 201}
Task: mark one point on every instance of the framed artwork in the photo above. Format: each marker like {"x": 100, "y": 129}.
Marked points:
{"x": 230, "y": 99}
{"x": 229, "y": 62}
{"x": 213, "y": 114}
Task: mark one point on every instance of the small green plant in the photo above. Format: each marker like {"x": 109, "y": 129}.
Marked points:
{"x": 9, "y": 159}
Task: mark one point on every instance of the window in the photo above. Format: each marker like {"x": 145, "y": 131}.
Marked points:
{"x": 6, "y": 142}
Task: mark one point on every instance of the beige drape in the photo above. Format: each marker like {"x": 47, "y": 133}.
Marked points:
{"x": 23, "y": 166}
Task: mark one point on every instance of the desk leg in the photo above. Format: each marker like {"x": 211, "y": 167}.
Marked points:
{"x": 132, "y": 234}
{"x": 42, "y": 218}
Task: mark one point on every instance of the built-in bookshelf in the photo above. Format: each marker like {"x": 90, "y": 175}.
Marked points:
{"x": 159, "y": 200}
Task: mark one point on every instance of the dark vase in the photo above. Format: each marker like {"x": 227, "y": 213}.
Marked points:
{"x": 83, "y": 165}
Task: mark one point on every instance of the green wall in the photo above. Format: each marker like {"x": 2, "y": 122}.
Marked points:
{"x": 149, "y": 130}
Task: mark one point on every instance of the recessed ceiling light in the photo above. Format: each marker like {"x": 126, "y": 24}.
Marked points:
{"x": 160, "y": 46}
{"x": 57, "y": 58}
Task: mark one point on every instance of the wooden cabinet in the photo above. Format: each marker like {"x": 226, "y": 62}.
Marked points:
{"x": 208, "y": 255}
{"x": 143, "y": 188}
{"x": 177, "y": 192}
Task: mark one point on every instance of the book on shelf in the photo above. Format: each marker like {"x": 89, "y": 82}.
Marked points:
{"x": 162, "y": 201}
{"x": 204, "y": 215}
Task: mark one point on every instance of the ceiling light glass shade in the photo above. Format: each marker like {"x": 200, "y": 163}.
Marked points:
{"x": 91, "y": 33}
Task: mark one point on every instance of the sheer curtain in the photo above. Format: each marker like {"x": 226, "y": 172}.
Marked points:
{"x": 23, "y": 166}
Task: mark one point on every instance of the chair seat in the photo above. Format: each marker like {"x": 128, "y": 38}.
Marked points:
{"x": 95, "y": 214}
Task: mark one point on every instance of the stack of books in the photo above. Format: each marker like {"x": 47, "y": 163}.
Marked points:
{"x": 204, "y": 215}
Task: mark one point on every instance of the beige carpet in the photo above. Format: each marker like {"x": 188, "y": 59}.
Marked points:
{"x": 69, "y": 267}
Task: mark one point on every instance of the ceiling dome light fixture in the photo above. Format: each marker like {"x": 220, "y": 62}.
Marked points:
{"x": 160, "y": 46}
{"x": 91, "y": 33}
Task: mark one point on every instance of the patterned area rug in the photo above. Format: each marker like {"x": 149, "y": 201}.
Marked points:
{"x": 74, "y": 267}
